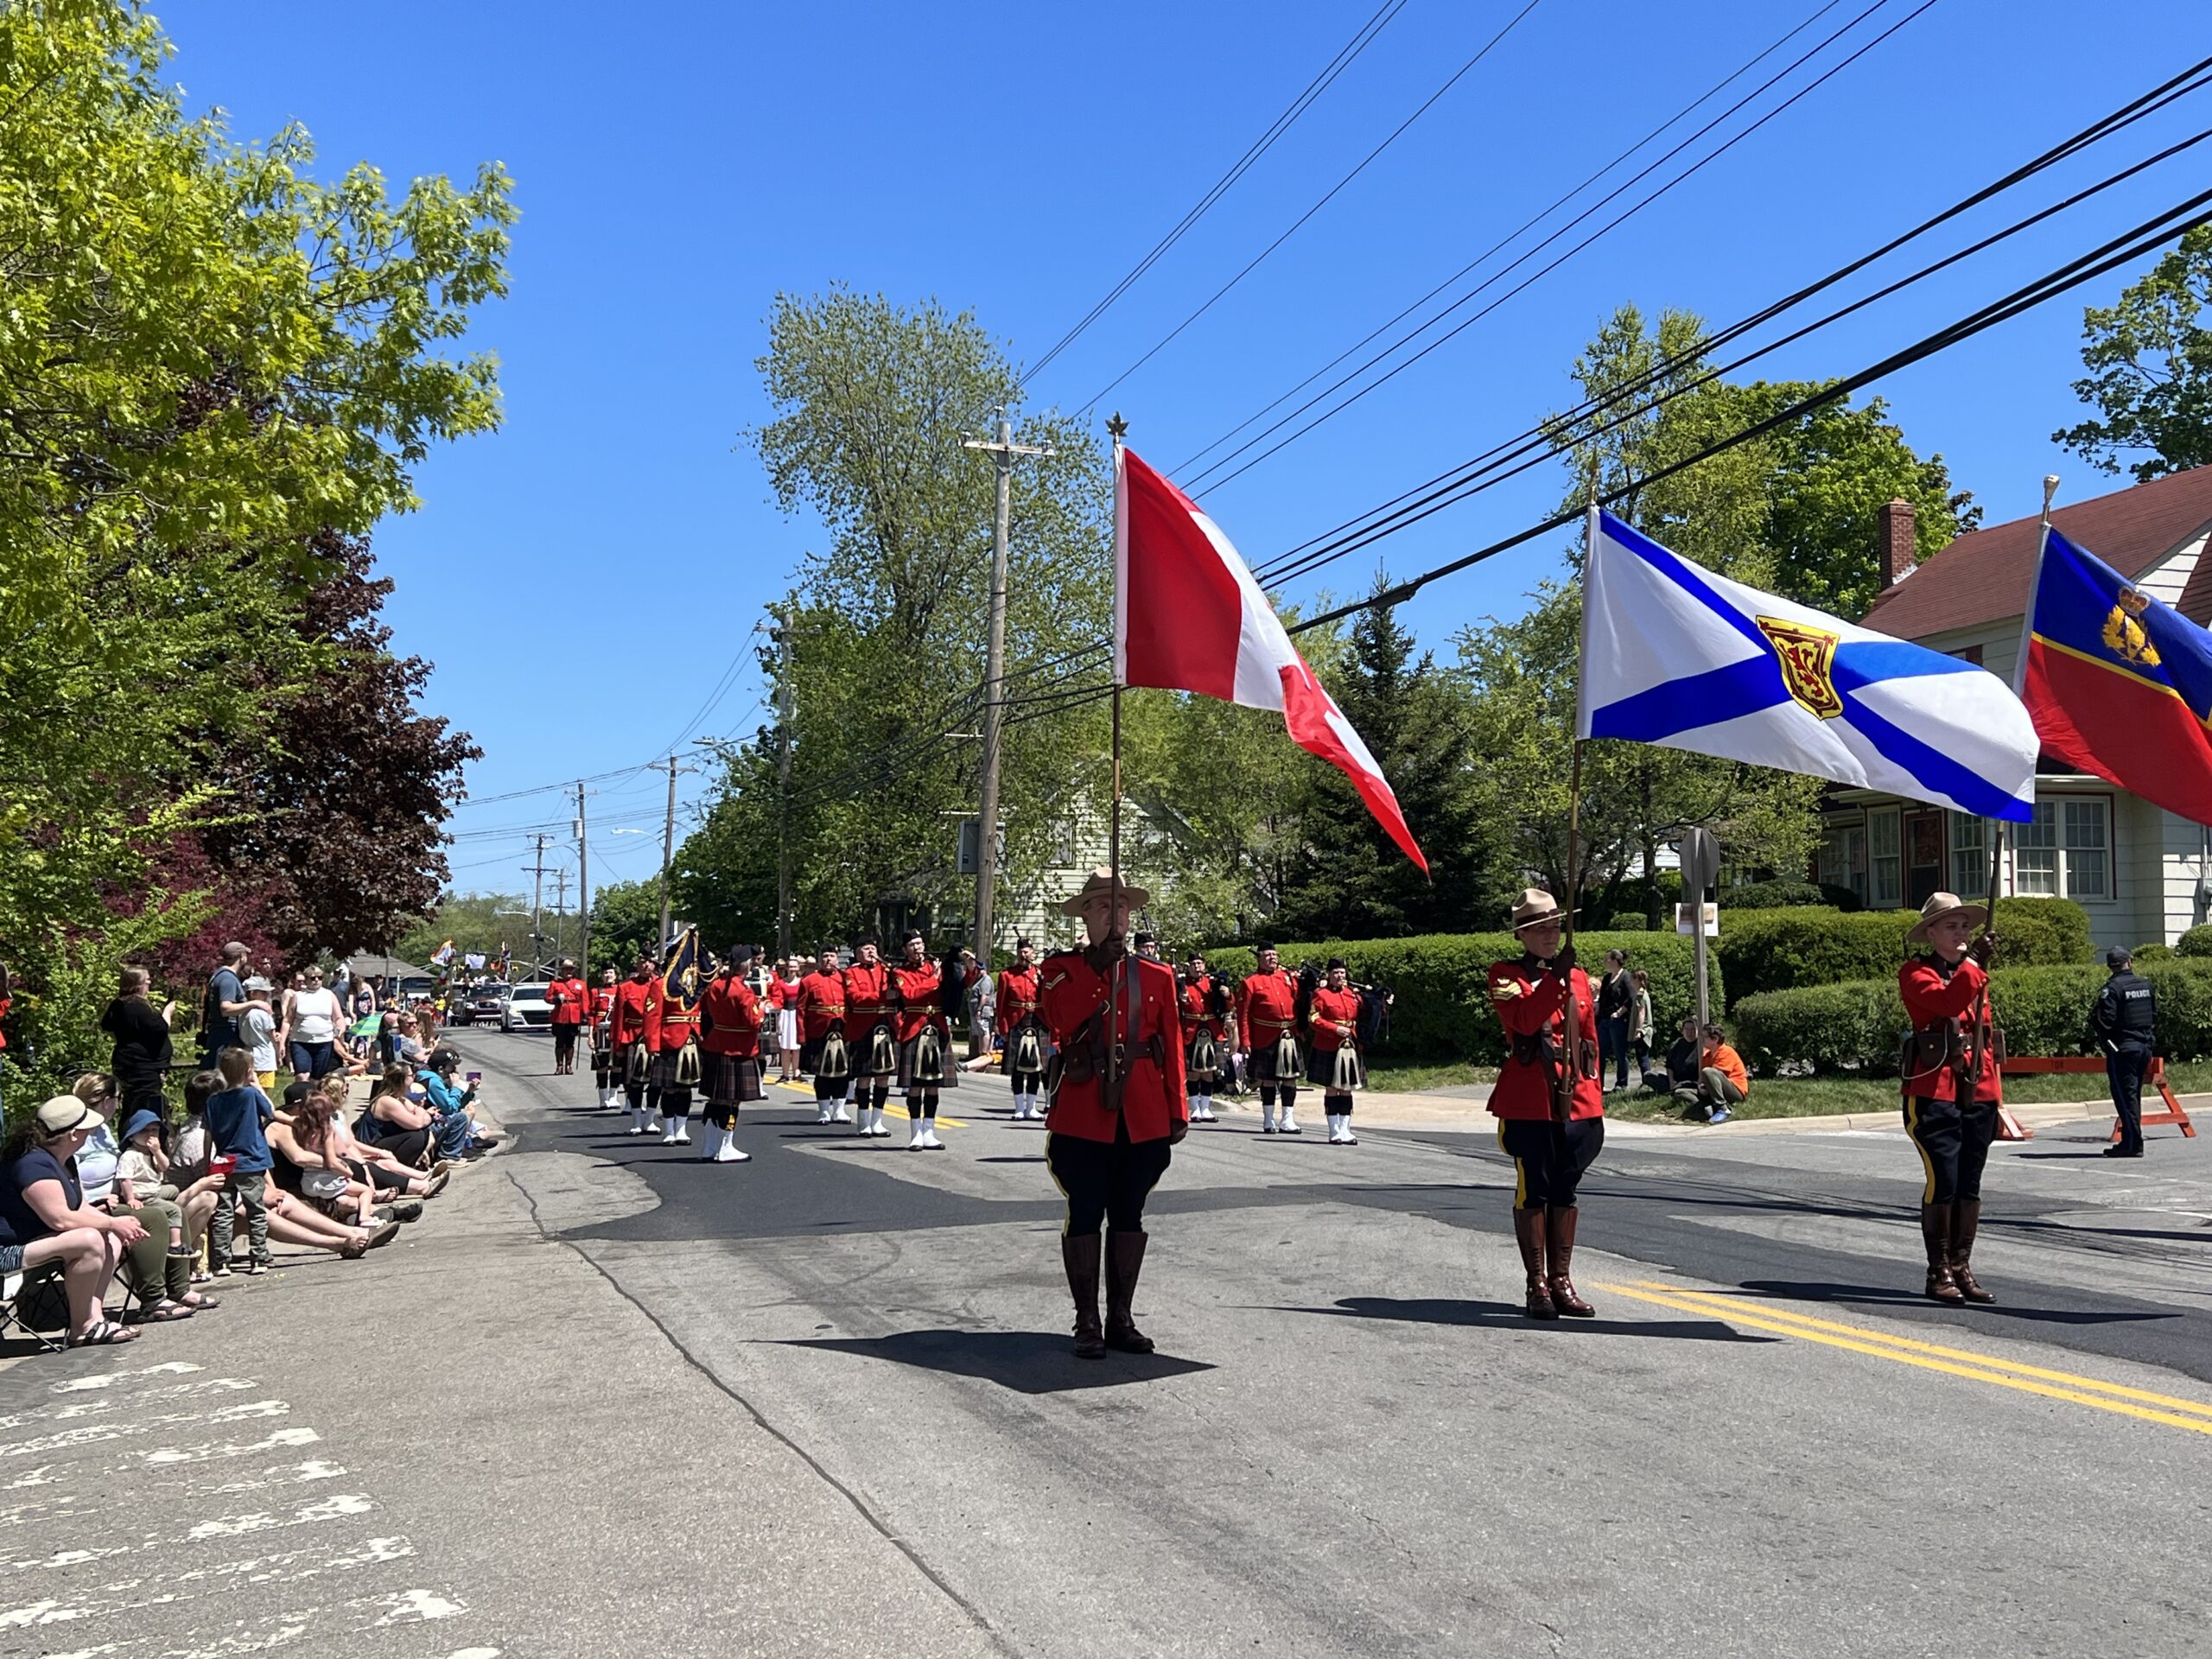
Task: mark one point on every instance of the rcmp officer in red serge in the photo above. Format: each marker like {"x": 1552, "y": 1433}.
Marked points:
{"x": 1951, "y": 1085}
{"x": 571, "y": 1006}
{"x": 1267, "y": 1025}
{"x": 729, "y": 1035}
{"x": 1027, "y": 1047}
{"x": 625, "y": 1030}
{"x": 1113, "y": 1016}
{"x": 1550, "y": 1148}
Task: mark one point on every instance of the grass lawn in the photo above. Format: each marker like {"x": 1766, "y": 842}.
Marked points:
{"x": 1419, "y": 1076}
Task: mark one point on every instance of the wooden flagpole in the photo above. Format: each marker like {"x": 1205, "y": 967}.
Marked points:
{"x": 1119, "y": 428}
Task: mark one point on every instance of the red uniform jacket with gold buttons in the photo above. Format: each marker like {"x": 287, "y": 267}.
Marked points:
{"x": 1931, "y": 996}
{"x": 921, "y": 1000}
{"x": 569, "y": 1001}
{"x": 602, "y": 1003}
{"x": 1017, "y": 998}
{"x": 1069, "y": 991}
{"x": 729, "y": 1017}
{"x": 1195, "y": 997}
{"x": 868, "y": 997}
{"x": 629, "y": 1018}
{"x": 1531, "y": 1003}
{"x": 667, "y": 1028}
{"x": 1336, "y": 1018}
{"x": 821, "y": 1000}
{"x": 1266, "y": 1007}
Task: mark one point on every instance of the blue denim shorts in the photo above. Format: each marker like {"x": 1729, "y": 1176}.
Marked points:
{"x": 11, "y": 1257}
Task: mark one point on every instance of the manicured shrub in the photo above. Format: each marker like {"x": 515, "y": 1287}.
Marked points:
{"x": 1785, "y": 949}
{"x": 1441, "y": 980}
{"x": 2198, "y": 942}
{"x": 1630, "y": 924}
{"x": 1778, "y": 895}
{"x": 2153, "y": 952}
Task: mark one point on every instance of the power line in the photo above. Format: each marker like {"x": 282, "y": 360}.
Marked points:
{"x": 1328, "y": 196}
{"x": 1260, "y": 146}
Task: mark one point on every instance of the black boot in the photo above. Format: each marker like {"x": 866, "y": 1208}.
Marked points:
{"x": 1559, "y": 1231}
{"x": 1124, "y": 1261}
{"x": 1528, "y": 1233}
{"x": 1935, "y": 1235}
{"x": 1080, "y": 1257}
{"x": 1966, "y": 1221}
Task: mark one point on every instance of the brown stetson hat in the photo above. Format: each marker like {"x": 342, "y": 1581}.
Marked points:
{"x": 1939, "y": 905}
{"x": 1098, "y": 886}
{"x": 1534, "y": 907}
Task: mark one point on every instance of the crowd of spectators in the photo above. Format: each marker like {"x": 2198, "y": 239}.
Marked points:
{"x": 111, "y": 1186}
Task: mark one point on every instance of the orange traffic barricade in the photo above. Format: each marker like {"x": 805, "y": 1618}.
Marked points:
{"x": 2028, "y": 1066}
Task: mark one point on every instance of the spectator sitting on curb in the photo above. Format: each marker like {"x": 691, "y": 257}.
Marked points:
{"x": 391, "y": 1178}
{"x": 305, "y": 1162}
{"x": 395, "y": 1124}
{"x": 149, "y": 1168}
{"x": 160, "y": 1272}
{"x": 1722, "y": 1080}
{"x": 44, "y": 1220}
{"x": 458, "y": 1134}
{"x": 1684, "y": 1059}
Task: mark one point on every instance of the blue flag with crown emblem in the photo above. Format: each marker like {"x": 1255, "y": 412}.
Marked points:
{"x": 1676, "y": 654}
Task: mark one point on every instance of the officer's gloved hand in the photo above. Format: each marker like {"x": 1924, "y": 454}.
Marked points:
{"x": 1564, "y": 962}
{"x": 1983, "y": 948}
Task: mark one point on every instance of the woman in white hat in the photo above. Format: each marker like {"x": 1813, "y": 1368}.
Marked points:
{"x": 1549, "y": 1154}
{"x": 1951, "y": 1085}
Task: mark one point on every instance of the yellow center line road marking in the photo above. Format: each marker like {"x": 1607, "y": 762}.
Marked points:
{"x": 891, "y": 1106}
{"x": 1767, "y": 1310}
{"x": 1882, "y": 1347}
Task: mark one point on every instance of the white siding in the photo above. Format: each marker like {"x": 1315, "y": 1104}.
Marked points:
{"x": 2165, "y": 580}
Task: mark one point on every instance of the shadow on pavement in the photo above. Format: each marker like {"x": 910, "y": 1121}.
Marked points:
{"x": 1027, "y": 1362}
{"x": 1446, "y": 1310}
{"x": 1885, "y": 1296}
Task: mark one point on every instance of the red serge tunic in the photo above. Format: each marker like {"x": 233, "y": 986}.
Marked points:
{"x": 1931, "y": 996}
{"x": 1336, "y": 1018}
{"x": 1195, "y": 1012}
{"x": 569, "y": 1001}
{"x": 921, "y": 1000}
{"x": 602, "y": 1003}
{"x": 629, "y": 1015}
{"x": 820, "y": 999}
{"x": 1266, "y": 1007}
{"x": 1152, "y": 1101}
{"x": 730, "y": 1014}
{"x": 867, "y": 996}
{"x": 1530, "y": 1002}
{"x": 1017, "y": 998}
{"x": 667, "y": 1029}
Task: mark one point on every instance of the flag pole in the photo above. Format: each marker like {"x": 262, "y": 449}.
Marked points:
{"x": 1570, "y": 1071}
{"x": 1119, "y": 429}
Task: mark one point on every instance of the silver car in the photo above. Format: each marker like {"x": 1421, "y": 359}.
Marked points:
{"x": 526, "y": 1008}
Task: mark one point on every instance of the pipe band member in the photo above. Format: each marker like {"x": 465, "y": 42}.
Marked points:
{"x": 1027, "y": 1047}
{"x": 632, "y": 1058}
{"x": 871, "y": 1035}
{"x": 673, "y": 1038}
{"x": 925, "y": 1060}
{"x": 821, "y": 1000}
{"x": 604, "y": 1075}
{"x": 1333, "y": 1062}
{"x": 729, "y": 1038}
{"x": 1951, "y": 1085}
{"x": 571, "y": 1005}
{"x": 1267, "y": 1030}
{"x": 1114, "y": 1017}
{"x": 1549, "y": 1156}
{"x": 1204, "y": 1006}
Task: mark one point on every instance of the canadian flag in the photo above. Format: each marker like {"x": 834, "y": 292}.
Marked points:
{"x": 1189, "y": 617}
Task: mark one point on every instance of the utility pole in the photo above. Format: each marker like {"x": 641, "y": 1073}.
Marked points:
{"x": 667, "y": 856}
{"x": 537, "y": 906}
{"x": 1004, "y": 452}
{"x": 560, "y": 908}
{"x": 782, "y": 635}
{"x": 583, "y": 886}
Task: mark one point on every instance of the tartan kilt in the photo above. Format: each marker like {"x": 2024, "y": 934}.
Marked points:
{"x": 809, "y": 1054}
{"x": 731, "y": 1079}
{"x": 663, "y": 1071}
{"x": 1321, "y": 1067}
{"x": 1210, "y": 1073}
{"x": 1261, "y": 1067}
{"x": 626, "y": 1055}
{"x": 1044, "y": 1050}
{"x": 908, "y": 1051}
{"x": 860, "y": 1051}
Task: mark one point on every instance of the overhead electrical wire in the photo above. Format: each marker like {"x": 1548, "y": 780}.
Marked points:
{"x": 1330, "y": 195}
{"x": 1260, "y": 146}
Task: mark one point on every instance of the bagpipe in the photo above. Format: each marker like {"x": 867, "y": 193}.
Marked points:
{"x": 1370, "y": 1026}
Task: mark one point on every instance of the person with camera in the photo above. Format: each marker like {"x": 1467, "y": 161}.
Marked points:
{"x": 2125, "y": 1021}
{"x": 1951, "y": 1085}
{"x": 1118, "y": 1105}
{"x": 1549, "y": 1101}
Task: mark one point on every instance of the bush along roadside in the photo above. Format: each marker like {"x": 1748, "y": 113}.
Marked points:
{"x": 1441, "y": 982}
{"x": 1766, "y": 950}
{"x": 1860, "y": 1025}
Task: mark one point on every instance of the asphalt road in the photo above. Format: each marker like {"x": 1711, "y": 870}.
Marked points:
{"x": 822, "y": 1402}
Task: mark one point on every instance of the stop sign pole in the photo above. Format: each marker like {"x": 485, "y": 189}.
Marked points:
{"x": 1700, "y": 856}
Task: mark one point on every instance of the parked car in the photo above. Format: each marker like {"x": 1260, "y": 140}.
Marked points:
{"x": 479, "y": 1005}
{"x": 417, "y": 988}
{"x": 525, "y": 1007}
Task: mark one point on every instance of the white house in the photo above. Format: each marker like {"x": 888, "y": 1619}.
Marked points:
{"x": 2142, "y": 874}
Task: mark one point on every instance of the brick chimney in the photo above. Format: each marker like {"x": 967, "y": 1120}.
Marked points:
{"x": 1893, "y": 539}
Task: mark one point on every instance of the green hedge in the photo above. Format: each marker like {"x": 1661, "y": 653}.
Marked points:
{"x": 1777, "y": 895}
{"x": 1784, "y": 950}
{"x": 2197, "y": 942}
{"x": 1443, "y": 1008}
{"x": 1859, "y": 1025}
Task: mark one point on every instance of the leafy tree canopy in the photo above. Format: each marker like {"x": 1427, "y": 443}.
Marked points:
{"x": 2149, "y": 359}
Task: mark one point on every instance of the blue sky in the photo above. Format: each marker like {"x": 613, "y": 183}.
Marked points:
{"x": 607, "y": 553}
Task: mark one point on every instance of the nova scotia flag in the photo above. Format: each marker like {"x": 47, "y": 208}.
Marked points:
{"x": 1676, "y": 654}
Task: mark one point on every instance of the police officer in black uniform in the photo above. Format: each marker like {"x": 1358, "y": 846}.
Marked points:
{"x": 2125, "y": 1021}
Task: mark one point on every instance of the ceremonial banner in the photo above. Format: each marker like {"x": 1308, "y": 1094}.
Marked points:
{"x": 1189, "y": 617}
{"x": 2118, "y": 683}
{"x": 1673, "y": 653}
{"x": 679, "y": 978}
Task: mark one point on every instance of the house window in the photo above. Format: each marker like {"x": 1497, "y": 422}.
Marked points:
{"x": 1969, "y": 853}
{"x": 1886, "y": 861}
{"x": 1969, "y": 654}
{"x": 1843, "y": 859}
{"x": 2066, "y": 851}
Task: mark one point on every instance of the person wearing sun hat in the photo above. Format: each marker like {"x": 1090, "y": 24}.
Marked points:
{"x": 1951, "y": 1085}
{"x": 1549, "y": 1156}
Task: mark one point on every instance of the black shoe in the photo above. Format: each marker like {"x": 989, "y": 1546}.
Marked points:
{"x": 2123, "y": 1152}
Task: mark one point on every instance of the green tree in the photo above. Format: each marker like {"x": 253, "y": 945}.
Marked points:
{"x": 2150, "y": 363}
{"x": 625, "y": 924}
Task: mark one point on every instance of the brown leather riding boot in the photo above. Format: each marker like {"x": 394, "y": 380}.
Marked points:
{"x": 1124, "y": 1261}
{"x": 1559, "y": 1231}
{"x": 1080, "y": 1257}
{"x": 1936, "y": 1234}
{"x": 1966, "y": 1221}
{"x": 1528, "y": 1233}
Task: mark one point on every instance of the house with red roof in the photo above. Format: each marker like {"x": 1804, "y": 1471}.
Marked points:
{"x": 2141, "y": 872}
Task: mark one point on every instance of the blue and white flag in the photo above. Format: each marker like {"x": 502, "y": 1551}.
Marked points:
{"x": 1673, "y": 653}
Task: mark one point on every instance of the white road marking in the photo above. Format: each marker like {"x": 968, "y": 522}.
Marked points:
{"x": 169, "y": 1368}
{"x": 330, "y": 1510}
{"x": 169, "y": 1454}
{"x": 413, "y": 1606}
